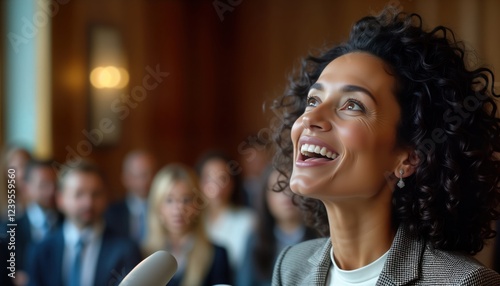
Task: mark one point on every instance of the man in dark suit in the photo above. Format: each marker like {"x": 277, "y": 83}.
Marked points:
{"x": 128, "y": 216}
{"x": 83, "y": 251}
{"x": 40, "y": 216}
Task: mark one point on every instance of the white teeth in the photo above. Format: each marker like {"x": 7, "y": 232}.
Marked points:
{"x": 323, "y": 151}
{"x": 310, "y": 148}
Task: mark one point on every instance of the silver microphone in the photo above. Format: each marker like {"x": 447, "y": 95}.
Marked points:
{"x": 156, "y": 269}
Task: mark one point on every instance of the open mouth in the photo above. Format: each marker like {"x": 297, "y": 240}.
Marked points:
{"x": 310, "y": 152}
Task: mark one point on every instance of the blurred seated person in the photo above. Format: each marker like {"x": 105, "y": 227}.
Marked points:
{"x": 83, "y": 251}
{"x": 255, "y": 156}
{"x": 176, "y": 206}
{"x": 279, "y": 224}
{"x": 227, "y": 221}
{"x": 5, "y": 270}
{"x": 128, "y": 216}
{"x": 41, "y": 215}
{"x": 15, "y": 157}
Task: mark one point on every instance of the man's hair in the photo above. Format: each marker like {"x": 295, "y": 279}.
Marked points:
{"x": 35, "y": 164}
{"x": 84, "y": 167}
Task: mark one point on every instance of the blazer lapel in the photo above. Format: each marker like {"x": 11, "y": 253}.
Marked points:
{"x": 104, "y": 273}
{"x": 321, "y": 263}
{"x": 404, "y": 259}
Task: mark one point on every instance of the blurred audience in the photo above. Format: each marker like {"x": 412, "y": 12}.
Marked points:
{"x": 14, "y": 157}
{"x": 254, "y": 159}
{"x": 5, "y": 266}
{"x": 41, "y": 215}
{"x": 83, "y": 251}
{"x": 227, "y": 221}
{"x": 175, "y": 225}
{"x": 280, "y": 224}
{"x": 128, "y": 216}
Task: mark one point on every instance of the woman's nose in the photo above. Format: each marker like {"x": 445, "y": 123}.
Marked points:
{"x": 317, "y": 119}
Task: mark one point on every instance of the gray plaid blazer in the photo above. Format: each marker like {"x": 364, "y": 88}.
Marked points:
{"x": 410, "y": 262}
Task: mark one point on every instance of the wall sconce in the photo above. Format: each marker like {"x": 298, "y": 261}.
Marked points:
{"x": 108, "y": 78}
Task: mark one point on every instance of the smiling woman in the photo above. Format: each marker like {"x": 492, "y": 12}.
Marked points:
{"x": 354, "y": 135}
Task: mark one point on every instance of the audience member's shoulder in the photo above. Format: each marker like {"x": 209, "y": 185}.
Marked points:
{"x": 117, "y": 206}
{"x": 111, "y": 235}
{"x": 219, "y": 249}
{"x": 242, "y": 212}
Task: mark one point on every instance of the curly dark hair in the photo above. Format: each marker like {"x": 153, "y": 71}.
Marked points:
{"x": 447, "y": 118}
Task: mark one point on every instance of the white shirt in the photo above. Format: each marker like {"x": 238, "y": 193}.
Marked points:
{"x": 41, "y": 221}
{"x": 231, "y": 231}
{"x": 93, "y": 238}
{"x": 364, "y": 276}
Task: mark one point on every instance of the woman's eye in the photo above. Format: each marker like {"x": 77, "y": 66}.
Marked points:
{"x": 353, "y": 105}
{"x": 312, "y": 101}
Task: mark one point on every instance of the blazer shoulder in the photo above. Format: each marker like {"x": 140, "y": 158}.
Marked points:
{"x": 296, "y": 264}
{"x": 457, "y": 268}
{"x": 305, "y": 248}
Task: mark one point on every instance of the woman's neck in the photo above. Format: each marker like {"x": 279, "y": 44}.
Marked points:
{"x": 177, "y": 241}
{"x": 215, "y": 211}
{"x": 360, "y": 233}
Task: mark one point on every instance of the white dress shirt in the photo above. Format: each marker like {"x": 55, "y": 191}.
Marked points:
{"x": 231, "y": 231}
{"x": 41, "y": 221}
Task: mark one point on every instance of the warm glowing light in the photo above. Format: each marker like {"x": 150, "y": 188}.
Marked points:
{"x": 123, "y": 78}
{"x": 109, "y": 77}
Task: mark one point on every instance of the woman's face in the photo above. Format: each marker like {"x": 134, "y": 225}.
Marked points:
{"x": 177, "y": 210}
{"x": 344, "y": 143}
{"x": 216, "y": 182}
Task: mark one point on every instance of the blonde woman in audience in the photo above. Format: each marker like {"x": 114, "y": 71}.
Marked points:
{"x": 227, "y": 221}
{"x": 174, "y": 224}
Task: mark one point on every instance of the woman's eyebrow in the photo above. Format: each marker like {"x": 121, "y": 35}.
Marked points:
{"x": 317, "y": 86}
{"x": 346, "y": 88}
{"x": 356, "y": 88}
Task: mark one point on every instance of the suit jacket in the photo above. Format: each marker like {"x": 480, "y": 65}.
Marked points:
{"x": 117, "y": 217}
{"x": 24, "y": 239}
{"x": 5, "y": 280}
{"x": 117, "y": 256}
{"x": 219, "y": 272}
{"x": 410, "y": 262}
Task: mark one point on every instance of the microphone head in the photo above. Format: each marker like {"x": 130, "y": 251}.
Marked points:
{"x": 156, "y": 269}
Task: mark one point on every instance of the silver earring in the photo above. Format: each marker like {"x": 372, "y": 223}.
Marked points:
{"x": 401, "y": 183}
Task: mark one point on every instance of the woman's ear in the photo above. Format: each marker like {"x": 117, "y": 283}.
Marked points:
{"x": 407, "y": 164}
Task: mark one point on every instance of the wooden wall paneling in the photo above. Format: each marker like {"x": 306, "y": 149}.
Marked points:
{"x": 168, "y": 45}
